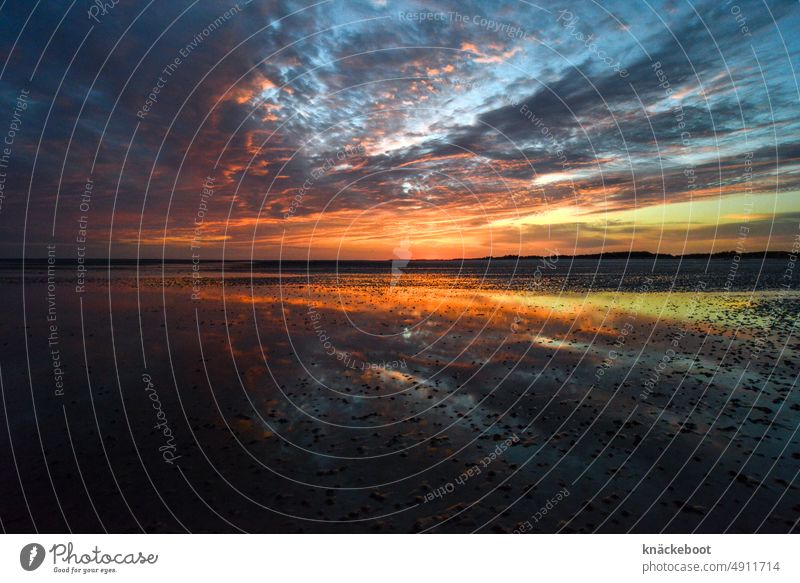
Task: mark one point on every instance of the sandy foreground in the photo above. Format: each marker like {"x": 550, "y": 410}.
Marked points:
{"x": 350, "y": 403}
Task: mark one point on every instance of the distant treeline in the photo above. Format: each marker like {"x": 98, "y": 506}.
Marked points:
{"x": 649, "y": 255}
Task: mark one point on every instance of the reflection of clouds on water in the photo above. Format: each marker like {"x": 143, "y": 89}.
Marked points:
{"x": 468, "y": 382}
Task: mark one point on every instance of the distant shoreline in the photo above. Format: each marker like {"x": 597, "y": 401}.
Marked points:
{"x": 99, "y": 261}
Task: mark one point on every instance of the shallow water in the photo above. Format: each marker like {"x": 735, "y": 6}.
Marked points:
{"x": 359, "y": 401}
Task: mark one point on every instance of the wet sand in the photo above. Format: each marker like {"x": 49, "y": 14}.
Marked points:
{"x": 440, "y": 403}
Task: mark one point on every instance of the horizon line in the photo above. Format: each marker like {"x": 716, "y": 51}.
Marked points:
{"x": 508, "y": 257}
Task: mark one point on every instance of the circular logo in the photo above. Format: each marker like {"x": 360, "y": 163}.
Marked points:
{"x": 31, "y": 556}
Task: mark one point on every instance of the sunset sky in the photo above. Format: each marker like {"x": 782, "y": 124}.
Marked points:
{"x": 351, "y": 129}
